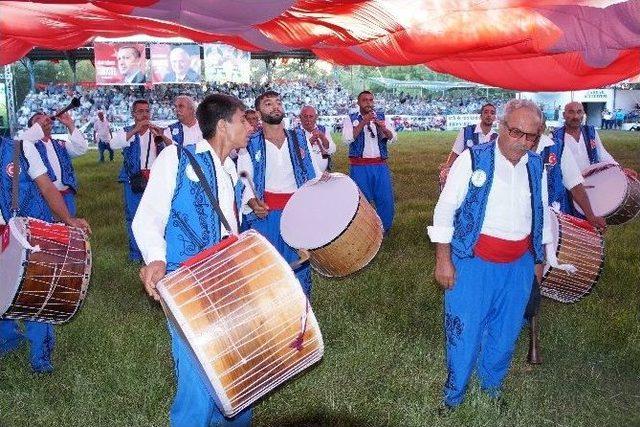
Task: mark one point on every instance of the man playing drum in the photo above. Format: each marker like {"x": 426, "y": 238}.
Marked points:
{"x": 39, "y": 198}
{"x": 277, "y": 162}
{"x": 489, "y": 226}
{"x": 176, "y": 221}
{"x": 583, "y": 140}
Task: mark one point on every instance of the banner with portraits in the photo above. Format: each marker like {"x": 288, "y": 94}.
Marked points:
{"x": 223, "y": 63}
{"x": 175, "y": 63}
{"x": 120, "y": 63}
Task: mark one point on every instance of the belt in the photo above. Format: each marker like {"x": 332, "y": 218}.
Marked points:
{"x": 494, "y": 249}
{"x": 276, "y": 201}
{"x": 360, "y": 161}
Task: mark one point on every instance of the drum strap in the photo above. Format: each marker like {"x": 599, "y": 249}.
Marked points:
{"x": 207, "y": 188}
{"x": 17, "y": 149}
{"x": 299, "y": 155}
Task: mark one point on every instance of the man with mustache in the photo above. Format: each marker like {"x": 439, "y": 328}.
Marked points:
{"x": 186, "y": 130}
{"x": 583, "y": 140}
{"x": 278, "y": 162}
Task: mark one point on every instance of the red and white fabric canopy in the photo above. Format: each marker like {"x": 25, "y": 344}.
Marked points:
{"x": 516, "y": 44}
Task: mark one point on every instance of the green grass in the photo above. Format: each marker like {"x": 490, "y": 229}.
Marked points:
{"x": 382, "y": 328}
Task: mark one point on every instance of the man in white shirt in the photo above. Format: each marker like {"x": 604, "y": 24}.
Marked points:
{"x": 368, "y": 133}
{"x": 102, "y": 135}
{"x": 186, "y": 130}
{"x": 38, "y": 198}
{"x": 490, "y": 226}
{"x": 175, "y": 221}
{"x": 277, "y": 162}
{"x": 319, "y": 138}
{"x": 140, "y": 147}
{"x": 472, "y": 135}
{"x": 583, "y": 140}
{"x": 57, "y": 154}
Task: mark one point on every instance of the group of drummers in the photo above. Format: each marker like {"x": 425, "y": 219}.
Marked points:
{"x": 222, "y": 169}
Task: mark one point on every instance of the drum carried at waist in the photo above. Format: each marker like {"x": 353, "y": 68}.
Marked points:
{"x": 244, "y": 315}
{"x": 612, "y": 194}
{"x": 576, "y": 242}
{"x": 46, "y": 270}
{"x": 333, "y": 220}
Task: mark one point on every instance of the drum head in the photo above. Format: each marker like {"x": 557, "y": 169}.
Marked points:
{"x": 319, "y": 211}
{"x": 12, "y": 259}
{"x": 606, "y": 189}
{"x": 555, "y": 234}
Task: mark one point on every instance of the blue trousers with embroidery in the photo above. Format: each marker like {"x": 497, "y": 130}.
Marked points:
{"x": 41, "y": 335}
{"x": 375, "y": 183}
{"x": 193, "y": 405}
{"x": 269, "y": 227}
{"x": 483, "y": 315}
{"x": 131, "y": 202}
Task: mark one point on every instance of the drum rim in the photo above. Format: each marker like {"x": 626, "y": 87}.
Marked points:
{"x": 598, "y": 167}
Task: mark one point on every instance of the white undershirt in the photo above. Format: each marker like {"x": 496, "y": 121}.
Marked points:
{"x": 460, "y": 144}
{"x": 320, "y": 164}
{"x": 192, "y": 134}
{"x": 371, "y": 148}
{"x": 508, "y": 211}
{"x": 151, "y": 218}
{"x": 579, "y": 150}
{"x": 119, "y": 141}
{"x": 571, "y": 175}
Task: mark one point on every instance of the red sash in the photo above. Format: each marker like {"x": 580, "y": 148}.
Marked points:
{"x": 276, "y": 201}
{"x": 494, "y": 249}
{"x": 360, "y": 161}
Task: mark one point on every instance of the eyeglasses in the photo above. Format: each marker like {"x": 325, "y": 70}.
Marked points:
{"x": 517, "y": 134}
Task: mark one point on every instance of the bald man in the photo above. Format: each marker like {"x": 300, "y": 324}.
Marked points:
{"x": 186, "y": 130}
{"x": 583, "y": 140}
{"x": 181, "y": 71}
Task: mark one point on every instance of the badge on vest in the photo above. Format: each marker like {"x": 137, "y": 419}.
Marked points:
{"x": 478, "y": 178}
{"x": 175, "y": 131}
{"x": 552, "y": 160}
{"x": 9, "y": 170}
{"x": 469, "y": 143}
{"x": 258, "y": 155}
{"x": 593, "y": 144}
{"x": 356, "y": 123}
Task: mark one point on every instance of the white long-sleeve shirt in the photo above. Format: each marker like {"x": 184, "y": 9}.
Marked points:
{"x": 571, "y": 175}
{"x": 76, "y": 146}
{"x": 320, "y": 164}
{"x": 146, "y": 144}
{"x": 192, "y": 134}
{"x": 151, "y": 218}
{"x": 508, "y": 212}
{"x": 279, "y": 176}
{"x": 371, "y": 149}
{"x": 460, "y": 144}
{"x": 579, "y": 150}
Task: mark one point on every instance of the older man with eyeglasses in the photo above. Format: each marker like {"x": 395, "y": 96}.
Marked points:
{"x": 489, "y": 226}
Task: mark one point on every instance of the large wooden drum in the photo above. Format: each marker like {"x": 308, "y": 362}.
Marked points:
{"x": 245, "y": 317}
{"x": 577, "y": 243}
{"x": 612, "y": 193}
{"x": 333, "y": 220}
{"x": 45, "y": 270}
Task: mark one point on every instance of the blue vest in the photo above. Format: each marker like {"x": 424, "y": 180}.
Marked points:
{"x": 257, "y": 150}
{"x": 469, "y": 134}
{"x": 588, "y": 134}
{"x": 177, "y": 132}
{"x": 356, "y": 148}
{"x": 131, "y": 162}
{"x": 68, "y": 174}
{"x": 193, "y": 224}
{"x": 557, "y": 192}
{"x": 469, "y": 217}
{"x": 30, "y": 201}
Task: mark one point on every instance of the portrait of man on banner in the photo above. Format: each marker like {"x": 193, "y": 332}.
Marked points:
{"x": 226, "y": 64}
{"x": 175, "y": 63}
{"x": 120, "y": 63}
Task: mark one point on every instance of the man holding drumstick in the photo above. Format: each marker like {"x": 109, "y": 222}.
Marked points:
{"x": 175, "y": 221}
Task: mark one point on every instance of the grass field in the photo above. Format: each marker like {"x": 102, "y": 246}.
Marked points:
{"x": 382, "y": 328}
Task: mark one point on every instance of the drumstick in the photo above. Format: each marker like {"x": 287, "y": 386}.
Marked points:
{"x": 244, "y": 175}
